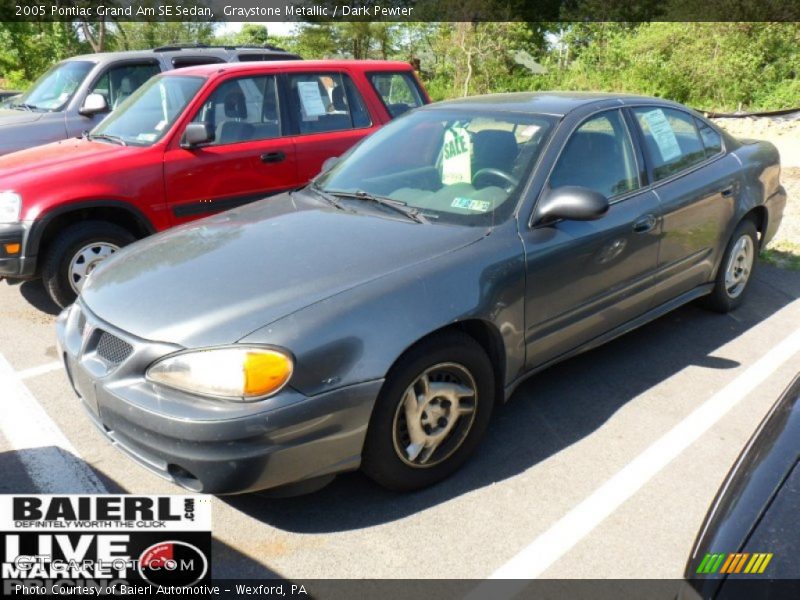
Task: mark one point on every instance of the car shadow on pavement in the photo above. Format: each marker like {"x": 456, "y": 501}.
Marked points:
{"x": 227, "y": 561}
{"x": 548, "y": 413}
{"x": 15, "y": 465}
{"x": 33, "y": 291}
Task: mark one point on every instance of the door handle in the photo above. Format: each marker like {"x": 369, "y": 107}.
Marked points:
{"x": 645, "y": 224}
{"x": 727, "y": 192}
{"x": 272, "y": 157}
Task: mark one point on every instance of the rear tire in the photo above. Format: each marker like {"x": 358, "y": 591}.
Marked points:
{"x": 735, "y": 270}
{"x": 75, "y": 252}
{"x": 431, "y": 413}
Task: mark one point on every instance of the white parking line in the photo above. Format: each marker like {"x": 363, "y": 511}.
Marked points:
{"x": 565, "y": 533}
{"x": 40, "y": 370}
{"x": 51, "y": 461}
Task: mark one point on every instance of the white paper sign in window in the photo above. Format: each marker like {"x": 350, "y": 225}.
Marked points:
{"x": 663, "y": 135}
{"x": 457, "y": 157}
{"x": 310, "y": 100}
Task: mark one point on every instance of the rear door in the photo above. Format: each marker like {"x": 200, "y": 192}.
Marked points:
{"x": 696, "y": 185}
{"x": 249, "y": 159}
{"x": 328, "y": 115}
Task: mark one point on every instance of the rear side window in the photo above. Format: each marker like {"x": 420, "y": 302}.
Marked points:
{"x": 599, "y": 156}
{"x": 322, "y": 102}
{"x": 712, "y": 142}
{"x": 191, "y": 61}
{"x": 671, "y": 139}
{"x": 242, "y": 110}
{"x": 398, "y": 91}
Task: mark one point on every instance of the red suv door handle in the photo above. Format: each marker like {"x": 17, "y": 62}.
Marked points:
{"x": 272, "y": 157}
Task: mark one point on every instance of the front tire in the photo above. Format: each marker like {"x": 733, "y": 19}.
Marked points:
{"x": 736, "y": 269}
{"x": 431, "y": 413}
{"x": 75, "y": 252}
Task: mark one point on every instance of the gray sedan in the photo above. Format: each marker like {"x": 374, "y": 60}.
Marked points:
{"x": 375, "y": 317}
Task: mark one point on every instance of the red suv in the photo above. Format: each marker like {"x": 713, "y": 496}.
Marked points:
{"x": 186, "y": 144}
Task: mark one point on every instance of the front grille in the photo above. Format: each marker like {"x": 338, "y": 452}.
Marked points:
{"x": 112, "y": 349}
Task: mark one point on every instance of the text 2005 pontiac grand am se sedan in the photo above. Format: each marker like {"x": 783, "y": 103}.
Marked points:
{"x": 374, "y": 317}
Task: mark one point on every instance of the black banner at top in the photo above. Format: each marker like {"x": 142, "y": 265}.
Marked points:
{"x": 400, "y": 10}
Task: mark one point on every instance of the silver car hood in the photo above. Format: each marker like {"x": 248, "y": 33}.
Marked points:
{"x": 216, "y": 280}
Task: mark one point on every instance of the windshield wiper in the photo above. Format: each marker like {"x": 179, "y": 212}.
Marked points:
{"x": 105, "y": 136}
{"x": 23, "y": 106}
{"x": 327, "y": 197}
{"x": 396, "y": 205}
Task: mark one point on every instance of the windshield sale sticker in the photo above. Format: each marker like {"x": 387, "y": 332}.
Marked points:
{"x": 104, "y": 544}
{"x": 457, "y": 158}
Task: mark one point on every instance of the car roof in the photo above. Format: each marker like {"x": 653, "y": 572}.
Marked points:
{"x": 551, "y": 103}
{"x": 175, "y": 51}
{"x": 284, "y": 65}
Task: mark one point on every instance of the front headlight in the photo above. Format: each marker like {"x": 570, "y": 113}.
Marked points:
{"x": 246, "y": 373}
{"x": 10, "y": 207}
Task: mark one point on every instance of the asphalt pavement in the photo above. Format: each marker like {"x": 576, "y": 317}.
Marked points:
{"x": 600, "y": 467}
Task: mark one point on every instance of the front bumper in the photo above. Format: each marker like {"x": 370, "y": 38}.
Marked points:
{"x": 18, "y": 264}
{"x": 204, "y": 445}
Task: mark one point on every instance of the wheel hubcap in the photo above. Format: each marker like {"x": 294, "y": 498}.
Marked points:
{"x": 740, "y": 264}
{"x": 434, "y": 415}
{"x": 85, "y": 260}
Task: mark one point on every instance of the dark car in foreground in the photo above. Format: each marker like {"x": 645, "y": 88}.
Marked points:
{"x": 373, "y": 318}
{"x": 749, "y": 543}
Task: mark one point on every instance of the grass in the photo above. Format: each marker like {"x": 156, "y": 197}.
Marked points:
{"x": 783, "y": 254}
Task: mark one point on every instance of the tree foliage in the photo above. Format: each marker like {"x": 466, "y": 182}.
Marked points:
{"x": 713, "y": 65}
{"x": 717, "y": 66}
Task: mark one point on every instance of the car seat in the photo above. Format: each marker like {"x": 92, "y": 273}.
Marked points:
{"x": 494, "y": 149}
{"x": 593, "y": 160}
{"x": 234, "y": 128}
{"x": 125, "y": 89}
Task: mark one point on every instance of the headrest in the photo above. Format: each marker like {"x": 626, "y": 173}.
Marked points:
{"x": 235, "y": 105}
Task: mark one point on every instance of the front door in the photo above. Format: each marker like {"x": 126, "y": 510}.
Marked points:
{"x": 249, "y": 158}
{"x": 115, "y": 84}
{"x": 587, "y": 277}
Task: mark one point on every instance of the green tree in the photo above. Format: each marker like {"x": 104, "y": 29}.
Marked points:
{"x": 151, "y": 34}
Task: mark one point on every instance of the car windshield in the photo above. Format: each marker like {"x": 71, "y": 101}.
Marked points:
{"x": 147, "y": 115}
{"x": 448, "y": 165}
{"x": 53, "y": 90}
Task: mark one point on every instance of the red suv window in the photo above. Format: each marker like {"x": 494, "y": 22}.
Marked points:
{"x": 321, "y": 102}
{"x": 242, "y": 110}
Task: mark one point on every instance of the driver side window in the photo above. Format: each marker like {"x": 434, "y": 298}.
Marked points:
{"x": 599, "y": 156}
{"x": 117, "y": 83}
{"x": 242, "y": 110}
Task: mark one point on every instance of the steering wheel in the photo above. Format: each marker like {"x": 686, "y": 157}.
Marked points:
{"x": 509, "y": 181}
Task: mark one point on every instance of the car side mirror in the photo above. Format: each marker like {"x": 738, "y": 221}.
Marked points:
{"x": 94, "y": 103}
{"x": 329, "y": 164}
{"x": 573, "y": 203}
{"x": 196, "y": 134}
